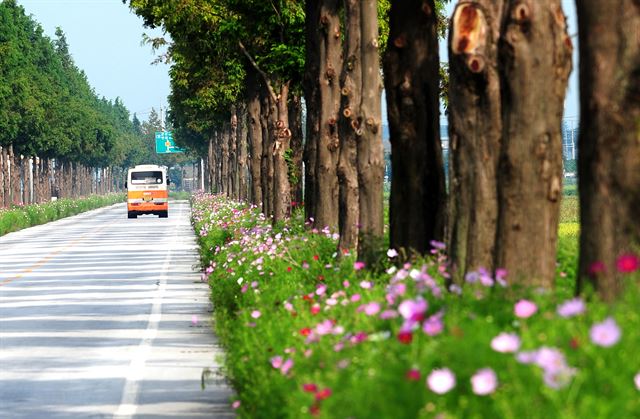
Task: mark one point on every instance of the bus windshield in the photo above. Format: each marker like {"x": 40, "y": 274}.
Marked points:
{"x": 151, "y": 177}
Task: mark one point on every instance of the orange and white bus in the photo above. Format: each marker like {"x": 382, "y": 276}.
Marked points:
{"x": 147, "y": 191}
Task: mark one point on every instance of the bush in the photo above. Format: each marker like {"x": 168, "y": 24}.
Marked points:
{"x": 307, "y": 332}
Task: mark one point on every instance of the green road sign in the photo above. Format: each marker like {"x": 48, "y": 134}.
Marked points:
{"x": 165, "y": 144}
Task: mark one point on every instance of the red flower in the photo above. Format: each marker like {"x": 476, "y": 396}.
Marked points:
{"x": 289, "y": 268}
{"x": 413, "y": 375}
{"x": 315, "y": 309}
{"x": 314, "y": 409}
{"x": 628, "y": 263}
{"x": 596, "y": 268}
{"x": 305, "y": 331}
{"x": 316, "y": 257}
{"x": 323, "y": 394}
{"x": 320, "y": 277}
{"x": 574, "y": 343}
{"x": 309, "y": 388}
{"x": 405, "y": 337}
{"x": 307, "y": 298}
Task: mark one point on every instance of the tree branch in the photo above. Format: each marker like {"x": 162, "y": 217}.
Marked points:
{"x": 259, "y": 70}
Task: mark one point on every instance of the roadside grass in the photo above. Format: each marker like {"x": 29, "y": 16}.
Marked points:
{"x": 308, "y": 333}
{"x": 179, "y": 195}
{"x": 18, "y": 217}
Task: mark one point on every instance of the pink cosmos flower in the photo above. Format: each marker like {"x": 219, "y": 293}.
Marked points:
{"x": 286, "y": 366}
{"x": 388, "y": 314}
{"x": 636, "y": 379}
{"x": 309, "y": 388}
{"x": 628, "y": 263}
{"x": 433, "y": 325}
{"x": 255, "y": 314}
{"x": 366, "y": 284}
{"x": 355, "y": 298}
{"x": 506, "y": 343}
{"x": 606, "y": 333}
{"x": 440, "y": 381}
{"x": 276, "y": 362}
{"x": 371, "y": 309}
{"x": 235, "y": 404}
{"x": 321, "y": 289}
{"x": 571, "y": 308}
{"x": 358, "y": 265}
{"x": 525, "y": 309}
{"x": 413, "y": 309}
{"x": 484, "y": 382}
{"x": 391, "y": 253}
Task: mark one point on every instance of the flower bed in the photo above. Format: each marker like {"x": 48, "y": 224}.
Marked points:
{"x": 19, "y": 217}
{"x": 308, "y": 333}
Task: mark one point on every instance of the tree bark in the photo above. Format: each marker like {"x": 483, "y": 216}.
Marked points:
{"x": 224, "y": 167}
{"x": 295, "y": 124}
{"x": 535, "y": 51}
{"x": 255, "y": 139}
{"x": 15, "y": 176}
{"x": 417, "y": 200}
{"x": 232, "y": 180}
{"x": 311, "y": 84}
{"x": 475, "y": 135}
{"x": 609, "y": 153}
{"x": 330, "y": 52}
{"x": 370, "y": 151}
{"x": 282, "y": 144}
{"x": 350, "y": 129}
{"x": 267, "y": 109}
{"x": 241, "y": 111}
{"x": 3, "y": 176}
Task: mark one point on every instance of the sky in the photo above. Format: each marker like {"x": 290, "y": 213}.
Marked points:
{"x": 105, "y": 41}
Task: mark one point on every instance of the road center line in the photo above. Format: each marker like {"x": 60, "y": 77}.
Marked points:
{"x": 128, "y": 403}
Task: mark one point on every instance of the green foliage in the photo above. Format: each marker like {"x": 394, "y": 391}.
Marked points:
{"x": 20, "y": 217}
{"x": 282, "y": 294}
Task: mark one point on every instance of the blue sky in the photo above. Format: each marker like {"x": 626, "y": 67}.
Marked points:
{"x": 104, "y": 38}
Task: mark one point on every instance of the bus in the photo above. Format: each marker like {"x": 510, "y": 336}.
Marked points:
{"x": 147, "y": 191}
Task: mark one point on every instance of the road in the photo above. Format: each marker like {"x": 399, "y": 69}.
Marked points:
{"x": 106, "y": 317}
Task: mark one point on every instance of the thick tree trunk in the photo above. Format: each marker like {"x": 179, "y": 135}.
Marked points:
{"x": 536, "y": 53}
{"x": 281, "y": 146}
{"x": 255, "y": 140}
{"x": 327, "y": 152}
{"x": 242, "y": 163}
{"x": 370, "y": 151}
{"x": 295, "y": 124}
{"x": 267, "y": 109}
{"x": 475, "y": 135}
{"x": 350, "y": 130}
{"x": 609, "y": 153}
{"x": 232, "y": 190}
{"x": 3, "y": 176}
{"x": 212, "y": 164}
{"x": 15, "y": 176}
{"x": 417, "y": 201}
{"x": 311, "y": 85}
{"x": 224, "y": 167}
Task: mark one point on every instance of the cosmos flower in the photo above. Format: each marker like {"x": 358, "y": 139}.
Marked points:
{"x": 605, "y": 334}
{"x": 440, "y": 381}
{"x": 506, "y": 342}
{"x": 525, "y": 309}
{"x": 484, "y": 382}
{"x": 571, "y": 308}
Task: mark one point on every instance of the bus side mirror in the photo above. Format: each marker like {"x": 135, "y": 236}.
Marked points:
{"x": 168, "y": 181}
{"x": 125, "y": 185}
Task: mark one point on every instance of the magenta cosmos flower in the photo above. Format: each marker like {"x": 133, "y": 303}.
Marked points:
{"x": 606, "y": 333}
{"x": 440, "y": 381}
{"x": 525, "y": 309}
{"x": 484, "y": 382}
{"x": 358, "y": 265}
{"x": 628, "y": 263}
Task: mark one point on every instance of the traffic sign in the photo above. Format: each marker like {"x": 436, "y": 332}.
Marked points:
{"x": 165, "y": 144}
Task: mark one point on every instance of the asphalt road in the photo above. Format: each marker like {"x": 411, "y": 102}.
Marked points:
{"x": 103, "y": 316}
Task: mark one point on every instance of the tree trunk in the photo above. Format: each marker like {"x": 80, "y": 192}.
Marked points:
{"x": 609, "y": 153}
{"x": 255, "y": 139}
{"x": 281, "y": 146}
{"x": 417, "y": 200}
{"x": 295, "y": 124}
{"x": 15, "y": 176}
{"x": 311, "y": 83}
{"x": 212, "y": 164}
{"x": 536, "y": 54}
{"x": 232, "y": 179}
{"x": 241, "y": 111}
{"x": 224, "y": 168}
{"x": 370, "y": 151}
{"x": 267, "y": 162}
{"x": 350, "y": 129}
{"x": 327, "y": 152}
{"x": 475, "y": 135}
{"x": 3, "y": 176}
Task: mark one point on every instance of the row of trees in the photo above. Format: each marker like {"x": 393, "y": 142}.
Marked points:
{"x": 56, "y": 135}
{"x": 509, "y": 65}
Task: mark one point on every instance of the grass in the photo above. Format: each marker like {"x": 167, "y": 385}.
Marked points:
{"x": 19, "y": 217}
{"x": 305, "y": 334}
